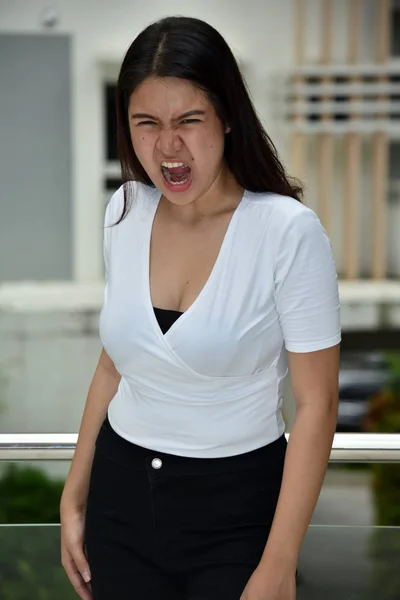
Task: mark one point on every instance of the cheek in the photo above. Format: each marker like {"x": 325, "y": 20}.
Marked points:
{"x": 209, "y": 141}
{"x": 143, "y": 145}
{"x": 210, "y": 150}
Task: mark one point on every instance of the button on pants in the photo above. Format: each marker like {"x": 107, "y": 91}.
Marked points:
{"x": 164, "y": 527}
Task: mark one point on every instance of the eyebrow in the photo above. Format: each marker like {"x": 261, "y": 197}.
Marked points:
{"x": 189, "y": 113}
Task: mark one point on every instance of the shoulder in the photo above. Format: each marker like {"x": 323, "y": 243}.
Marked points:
{"x": 132, "y": 192}
{"x": 283, "y": 216}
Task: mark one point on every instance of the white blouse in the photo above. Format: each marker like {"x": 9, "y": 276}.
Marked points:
{"x": 212, "y": 385}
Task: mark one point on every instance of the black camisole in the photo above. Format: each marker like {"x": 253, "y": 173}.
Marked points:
{"x": 166, "y": 318}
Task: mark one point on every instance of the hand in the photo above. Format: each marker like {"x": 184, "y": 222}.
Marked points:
{"x": 73, "y": 557}
{"x": 269, "y": 582}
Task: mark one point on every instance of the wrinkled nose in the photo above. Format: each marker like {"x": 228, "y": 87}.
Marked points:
{"x": 169, "y": 142}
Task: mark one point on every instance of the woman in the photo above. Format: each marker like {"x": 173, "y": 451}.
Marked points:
{"x": 217, "y": 276}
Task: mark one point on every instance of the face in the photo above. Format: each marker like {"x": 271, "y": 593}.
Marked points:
{"x": 178, "y": 138}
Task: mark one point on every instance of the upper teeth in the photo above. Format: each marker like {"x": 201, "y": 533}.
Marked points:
{"x": 171, "y": 165}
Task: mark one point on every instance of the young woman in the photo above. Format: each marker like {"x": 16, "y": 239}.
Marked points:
{"x": 182, "y": 486}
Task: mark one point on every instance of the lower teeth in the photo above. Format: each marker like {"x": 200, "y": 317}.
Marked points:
{"x": 168, "y": 178}
{"x": 179, "y": 182}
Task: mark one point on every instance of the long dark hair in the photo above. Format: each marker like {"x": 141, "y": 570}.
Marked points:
{"x": 193, "y": 50}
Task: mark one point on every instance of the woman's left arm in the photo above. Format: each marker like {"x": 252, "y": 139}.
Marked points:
{"x": 314, "y": 377}
{"x": 307, "y": 303}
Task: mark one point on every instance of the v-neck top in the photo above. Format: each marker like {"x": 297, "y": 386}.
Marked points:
{"x": 211, "y": 385}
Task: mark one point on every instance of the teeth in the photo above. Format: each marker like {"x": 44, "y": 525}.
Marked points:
{"x": 171, "y": 165}
{"x": 168, "y": 178}
{"x": 179, "y": 182}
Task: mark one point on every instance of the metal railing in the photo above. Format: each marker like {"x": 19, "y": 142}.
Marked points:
{"x": 346, "y": 447}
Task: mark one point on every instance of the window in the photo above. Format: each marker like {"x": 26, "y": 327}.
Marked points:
{"x": 111, "y": 124}
{"x": 111, "y": 174}
{"x": 395, "y": 29}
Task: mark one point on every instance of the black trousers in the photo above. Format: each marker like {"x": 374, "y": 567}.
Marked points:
{"x": 164, "y": 527}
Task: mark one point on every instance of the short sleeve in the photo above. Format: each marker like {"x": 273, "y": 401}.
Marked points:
{"x": 306, "y": 287}
{"x": 112, "y": 213}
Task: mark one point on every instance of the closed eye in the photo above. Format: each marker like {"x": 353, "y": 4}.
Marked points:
{"x": 184, "y": 122}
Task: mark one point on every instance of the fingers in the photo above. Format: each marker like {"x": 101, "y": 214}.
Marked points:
{"x": 78, "y": 573}
{"x": 81, "y": 563}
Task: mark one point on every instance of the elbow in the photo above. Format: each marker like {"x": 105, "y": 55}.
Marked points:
{"x": 323, "y": 407}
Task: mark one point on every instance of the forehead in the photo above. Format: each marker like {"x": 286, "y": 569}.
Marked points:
{"x": 168, "y": 97}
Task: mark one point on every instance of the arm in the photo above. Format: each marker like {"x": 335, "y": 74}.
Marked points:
{"x": 73, "y": 502}
{"x": 314, "y": 378}
{"x": 307, "y": 303}
{"x": 315, "y": 385}
{"x": 102, "y": 389}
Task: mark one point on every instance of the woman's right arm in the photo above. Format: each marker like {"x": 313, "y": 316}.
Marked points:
{"x": 73, "y": 502}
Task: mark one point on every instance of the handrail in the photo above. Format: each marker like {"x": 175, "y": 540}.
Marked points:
{"x": 346, "y": 447}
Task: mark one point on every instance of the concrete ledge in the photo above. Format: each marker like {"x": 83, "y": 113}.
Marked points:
{"x": 71, "y": 296}
{"x": 51, "y": 296}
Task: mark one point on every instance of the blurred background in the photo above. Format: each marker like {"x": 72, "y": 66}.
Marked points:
{"x": 325, "y": 79}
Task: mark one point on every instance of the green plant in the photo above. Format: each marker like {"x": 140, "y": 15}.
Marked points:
{"x": 30, "y": 565}
{"x": 28, "y": 495}
{"x": 384, "y": 417}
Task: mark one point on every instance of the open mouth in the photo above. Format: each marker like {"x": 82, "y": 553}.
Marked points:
{"x": 176, "y": 174}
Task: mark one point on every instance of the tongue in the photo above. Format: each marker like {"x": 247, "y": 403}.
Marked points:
{"x": 178, "y": 173}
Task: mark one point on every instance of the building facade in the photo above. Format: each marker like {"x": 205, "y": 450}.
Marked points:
{"x": 330, "y": 100}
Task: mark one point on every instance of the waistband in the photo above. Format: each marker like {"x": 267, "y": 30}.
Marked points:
{"x": 126, "y": 453}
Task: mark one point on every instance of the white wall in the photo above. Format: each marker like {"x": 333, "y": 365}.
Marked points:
{"x": 102, "y": 31}
{"x": 47, "y": 361}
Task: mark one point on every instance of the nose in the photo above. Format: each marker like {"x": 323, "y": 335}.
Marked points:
{"x": 169, "y": 142}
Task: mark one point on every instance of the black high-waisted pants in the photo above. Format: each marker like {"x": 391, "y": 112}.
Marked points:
{"x": 164, "y": 527}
